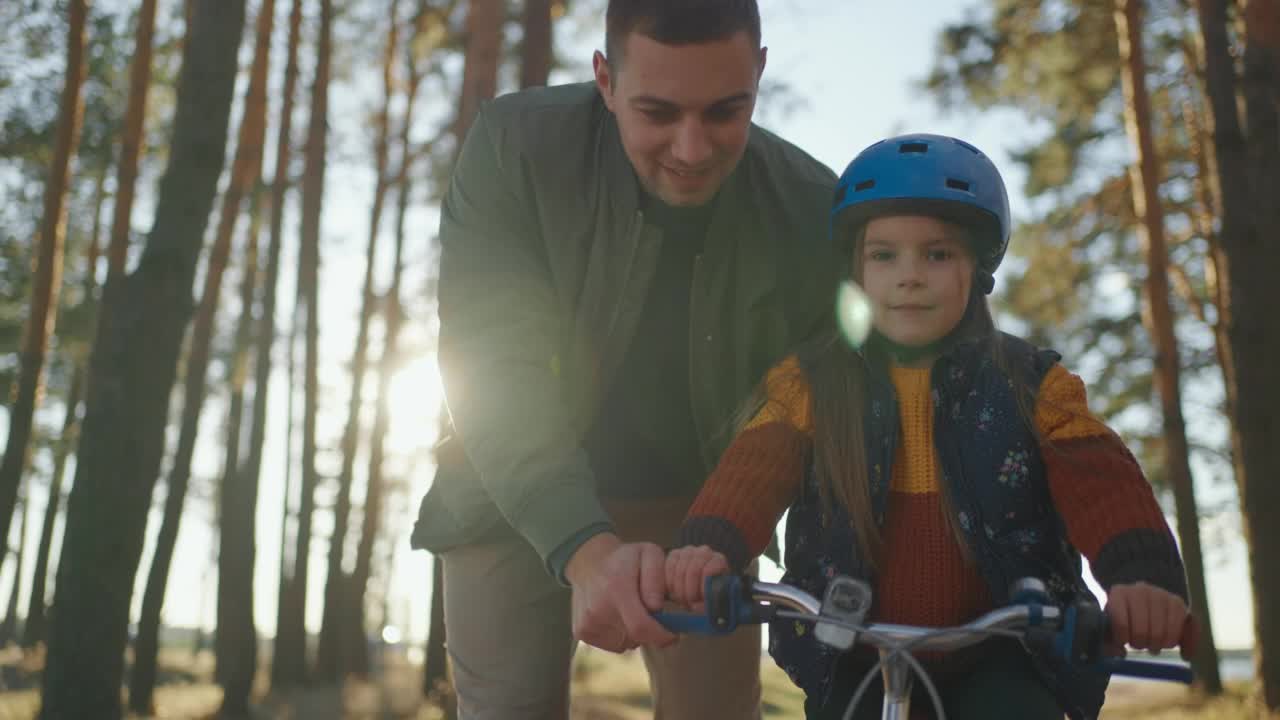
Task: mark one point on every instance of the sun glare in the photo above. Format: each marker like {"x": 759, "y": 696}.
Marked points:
{"x": 416, "y": 398}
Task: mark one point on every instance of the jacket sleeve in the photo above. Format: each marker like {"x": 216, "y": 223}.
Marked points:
{"x": 758, "y": 476}
{"x": 1098, "y": 487}
{"x": 499, "y": 341}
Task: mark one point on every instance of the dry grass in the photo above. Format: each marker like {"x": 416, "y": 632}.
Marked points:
{"x": 1153, "y": 701}
{"x": 606, "y": 687}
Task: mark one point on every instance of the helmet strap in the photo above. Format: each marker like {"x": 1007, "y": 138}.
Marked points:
{"x": 986, "y": 281}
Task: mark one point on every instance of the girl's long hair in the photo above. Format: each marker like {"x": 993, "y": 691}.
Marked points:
{"x": 837, "y": 376}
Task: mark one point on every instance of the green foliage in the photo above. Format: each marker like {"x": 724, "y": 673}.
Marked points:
{"x": 1081, "y": 266}
{"x": 1054, "y": 60}
{"x": 29, "y": 98}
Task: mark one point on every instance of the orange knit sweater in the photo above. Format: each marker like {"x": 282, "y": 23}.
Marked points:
{"x": 924, "y": 577}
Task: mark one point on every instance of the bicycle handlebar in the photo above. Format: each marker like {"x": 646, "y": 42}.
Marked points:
{"x": 1169, "y": 672}
{"x": 733, "y": 600}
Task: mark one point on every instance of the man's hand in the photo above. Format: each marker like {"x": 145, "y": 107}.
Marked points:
{"x": 615, "y": 588}
{"x": 1148, "y": 618}
{"x": 687, "y": 571}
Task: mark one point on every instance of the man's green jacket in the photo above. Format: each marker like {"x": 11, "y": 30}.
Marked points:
{"x": 546, "y": 260}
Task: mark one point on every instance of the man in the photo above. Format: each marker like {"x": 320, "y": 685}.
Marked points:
{"x": 621, "y": 263}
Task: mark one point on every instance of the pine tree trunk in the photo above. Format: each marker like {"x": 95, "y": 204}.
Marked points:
{"x": 131, "y": 145}
{"x": 1256, "y": 336}
{"x": 483, "y": 49}
{"x": 480, "y": 82}
{"x": 9, "y": 628}
{"x": 1249, "y": 247}
{"x": 245, "y": 169}
{"x": 236, "y": 638}
{"x": 1146, "y": 178}
{"x": 359, "y": 657}
{"x": 133, "y": 367}
{"x": 33, "y": 630}
{"x": 285, "y": 597}
{"x": 266, "y": 327}
{"x": 48, "y": 272}
{"x": 294, "y": 655}
{"x": 392, "y": 319}
{"x": 1208, "y": 203}
{"x": 332, "y": 658}
{"x": 536, "y": 46}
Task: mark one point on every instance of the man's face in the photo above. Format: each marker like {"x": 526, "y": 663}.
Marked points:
{"x": 684, "y": 111}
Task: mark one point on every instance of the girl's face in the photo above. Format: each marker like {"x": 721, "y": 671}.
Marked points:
{"x": 917, "y": 272}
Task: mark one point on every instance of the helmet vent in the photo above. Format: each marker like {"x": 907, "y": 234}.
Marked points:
{"x": 864, "y": 185}
{"x": 968, "y": 147}
{"x": 955, "y": 184}
{"x": 913, "y": 147}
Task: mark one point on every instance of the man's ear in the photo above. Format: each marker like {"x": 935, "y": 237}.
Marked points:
{"x": 764, "y": 57}
{"x": 604, "y": 78}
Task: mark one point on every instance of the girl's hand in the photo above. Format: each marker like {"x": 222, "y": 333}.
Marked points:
{"x": 1145, "y": 617}
{"x": 687, "y": 568}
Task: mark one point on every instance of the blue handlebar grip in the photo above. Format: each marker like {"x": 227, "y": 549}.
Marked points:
{"x": 1151, "y": 670}
{"x": 685, "y": 622}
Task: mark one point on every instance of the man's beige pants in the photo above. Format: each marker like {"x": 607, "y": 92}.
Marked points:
{"x": 511, "y": 643}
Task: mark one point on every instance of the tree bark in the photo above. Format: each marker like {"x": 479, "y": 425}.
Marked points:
{"x": 236, "y": 638}
{"x": 1255, "y": 335}
{"x": 333, "y": 656}
{"x": 480, "y": 82}
{"x": 392, "y": 321}
{"x": 483, "y": 50}
{"x": 48, "y": 273}
{"x": 286, "y": 598}
{"x": 266, "y": 327}
{"x": 294, "y": 655}
{"x": 1249, "y": 247}
{"x": 132, "y": 371}
{"x": 1208, "y": 202}
{"x": 245, "y": 169}
{"x": 536, "y": 45}
{"x": 131, "y": 145}
{"x": 1146, "y": 178}
{"x": 33, "y": 630}
{"x": 9, "y": 628}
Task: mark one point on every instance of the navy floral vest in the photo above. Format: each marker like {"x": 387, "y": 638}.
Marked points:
{"x": 990, "y": 463}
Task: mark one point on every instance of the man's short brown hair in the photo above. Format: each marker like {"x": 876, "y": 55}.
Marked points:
{"x": 678, "y": 22}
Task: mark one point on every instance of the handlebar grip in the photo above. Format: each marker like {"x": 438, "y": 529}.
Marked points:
{"x": 728, "y": 606}
{"x": 1150, "y": 670}
{"x": 685, "y": 622}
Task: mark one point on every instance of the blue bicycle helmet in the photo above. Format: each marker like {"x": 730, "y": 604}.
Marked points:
{"x": 931, "y": 175}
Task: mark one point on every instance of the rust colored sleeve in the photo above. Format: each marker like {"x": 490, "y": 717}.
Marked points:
{"x": 1109, "y": 509}
{"x": 758, "y": 475}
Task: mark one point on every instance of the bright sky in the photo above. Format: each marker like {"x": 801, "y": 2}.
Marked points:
{"x": 855, "y": 67}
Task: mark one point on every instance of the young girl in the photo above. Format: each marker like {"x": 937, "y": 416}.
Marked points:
{"x": 940, "y": 461}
